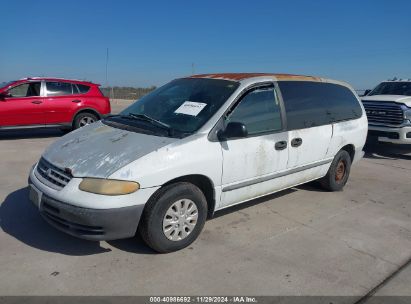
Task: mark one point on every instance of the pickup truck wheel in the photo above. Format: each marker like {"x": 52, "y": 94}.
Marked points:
{"x": 338, "y": 172}
{"x": 173, "y": 217}
{"x": 84, "y": 119}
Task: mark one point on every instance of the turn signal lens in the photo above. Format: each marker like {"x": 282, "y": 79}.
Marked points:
{"x": 108, "y": 186}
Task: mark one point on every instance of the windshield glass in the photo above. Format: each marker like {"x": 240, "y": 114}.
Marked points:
{"x": 5, "y": 84}
{"x": 392, "y": 88}
{"x": 184, "y": 105}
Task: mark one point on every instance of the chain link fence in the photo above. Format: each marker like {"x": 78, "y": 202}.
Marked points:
{"x": 128, "y": 93}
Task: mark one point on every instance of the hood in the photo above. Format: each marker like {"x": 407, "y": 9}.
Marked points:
{"x": 393, "y": 98}
{"x": 99, "y": 150}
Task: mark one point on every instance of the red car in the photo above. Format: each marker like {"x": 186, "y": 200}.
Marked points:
{"x": 51, "y": 102}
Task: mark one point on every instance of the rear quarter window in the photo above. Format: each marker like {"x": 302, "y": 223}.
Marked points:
{"x": 309, "y": 104}
{"x": 82, "y": 88}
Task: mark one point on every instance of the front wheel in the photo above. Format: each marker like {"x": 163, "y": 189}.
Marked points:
{"x": 338, "y": 172}
{"x": 174, "y": 217}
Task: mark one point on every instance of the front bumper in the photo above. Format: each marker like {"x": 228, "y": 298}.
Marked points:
{"x": 91, "y": 224}
{"x": 391, "y": 135}
{"x": 87, "y": 215}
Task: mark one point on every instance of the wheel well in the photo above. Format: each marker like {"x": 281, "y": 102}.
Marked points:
{"x": 91, "y": 111}
{"x": 204, "y": 184}
{"x": 351, "y": 150}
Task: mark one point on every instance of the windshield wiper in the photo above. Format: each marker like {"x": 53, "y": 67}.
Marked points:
{"x": 152, "y": 121}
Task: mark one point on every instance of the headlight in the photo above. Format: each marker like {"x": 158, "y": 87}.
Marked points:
{"x": 407, "y": 114}
{"x": 108, "y": 186}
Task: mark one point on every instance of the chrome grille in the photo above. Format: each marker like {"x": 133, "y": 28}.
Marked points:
{"x": 384, "y": 113}
{"x": 51, "y": 175}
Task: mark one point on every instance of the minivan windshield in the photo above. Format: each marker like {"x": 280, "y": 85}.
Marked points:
{"x": 392, "y": 88}
{"x": 182, "y": 105}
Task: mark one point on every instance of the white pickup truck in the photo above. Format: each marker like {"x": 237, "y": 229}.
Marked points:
{"x": 388, "y": 108}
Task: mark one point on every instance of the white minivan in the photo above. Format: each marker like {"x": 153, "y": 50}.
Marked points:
{"x": 194, "y": 146}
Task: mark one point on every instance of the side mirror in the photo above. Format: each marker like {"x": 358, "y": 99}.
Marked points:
{"x": 4, "y": 95}
{"x": 366, "y": 92}
{"x": 233, "y": 130}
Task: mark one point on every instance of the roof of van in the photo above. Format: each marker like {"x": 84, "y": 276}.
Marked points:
{"x": 243, "y": 76}
{"x": 277, "y": 77}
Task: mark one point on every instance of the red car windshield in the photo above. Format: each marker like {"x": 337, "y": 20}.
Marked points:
{"x": 6, "y": 84}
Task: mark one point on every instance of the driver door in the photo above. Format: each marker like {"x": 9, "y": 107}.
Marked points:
{"x": 23, "y": 106}
{"x": 251, "y": 164}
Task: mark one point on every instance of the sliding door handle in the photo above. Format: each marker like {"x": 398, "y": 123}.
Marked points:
{"x": 281, "y": 145}
{"x": 296, "y": 142}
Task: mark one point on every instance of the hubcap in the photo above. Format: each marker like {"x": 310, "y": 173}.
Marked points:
{"x": 340, "y": 172}
{"x": 180, "y": 219}
{"x": 86, "y": 121}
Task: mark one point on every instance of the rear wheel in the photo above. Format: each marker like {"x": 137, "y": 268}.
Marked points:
{"x": 338, "y": 173}
{"x": 84, "y": 119}
{"x": 174, "y": 217}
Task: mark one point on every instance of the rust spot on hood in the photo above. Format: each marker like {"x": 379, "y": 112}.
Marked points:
{"x": 242, "y": 76}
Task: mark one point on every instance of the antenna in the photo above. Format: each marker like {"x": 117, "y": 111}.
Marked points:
{"x": 192, "y": 68}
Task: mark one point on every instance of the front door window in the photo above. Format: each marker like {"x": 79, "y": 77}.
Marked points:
{"x": 29, "y": 89}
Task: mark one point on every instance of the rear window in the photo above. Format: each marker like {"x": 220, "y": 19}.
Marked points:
{"x": 310, "y": 104}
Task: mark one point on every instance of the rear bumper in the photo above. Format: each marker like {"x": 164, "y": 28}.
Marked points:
{"x": 91, "y": 224}
{"x": 391, "y": 135}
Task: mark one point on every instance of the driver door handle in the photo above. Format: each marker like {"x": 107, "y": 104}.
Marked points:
{"x": 37, "y": 102}
{"x": 280, "y": 145}
{"x": 296, "y": 142}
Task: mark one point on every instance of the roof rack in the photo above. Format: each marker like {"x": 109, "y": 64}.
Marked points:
{"x": 60, "y": 78}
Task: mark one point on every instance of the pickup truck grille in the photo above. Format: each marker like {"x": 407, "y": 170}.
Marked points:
{"x": 51, "y": 175}
{"x": 384, "y": 113}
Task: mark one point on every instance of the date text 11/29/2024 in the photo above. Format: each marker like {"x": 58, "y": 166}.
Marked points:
{"x": 203, "y": 299}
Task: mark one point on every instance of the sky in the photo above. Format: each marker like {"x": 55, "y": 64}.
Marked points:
{"x": 152, "y": 42}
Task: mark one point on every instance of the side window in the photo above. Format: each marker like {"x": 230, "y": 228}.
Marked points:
{"x": 55, "y": 88}
{"x": 309, "y": 104}
{"x": 303, "y": 104}
{"x": 26, "y": 90}
{"x": 83, "y": 88}
{"x": 258, "y": 110}
{"x": 341, "y": 102}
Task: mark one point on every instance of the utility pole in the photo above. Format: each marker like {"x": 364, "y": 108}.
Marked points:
{"x": 192, "y": 68}
{"x": 107, "y": 67}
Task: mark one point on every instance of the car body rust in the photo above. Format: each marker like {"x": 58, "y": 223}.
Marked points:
{"x": 242, "y": 76}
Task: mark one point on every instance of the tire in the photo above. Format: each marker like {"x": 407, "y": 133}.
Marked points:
{"x": 338, "y": 172}
{"x": 155, "y": 220}
{"x": 83, "y": 119}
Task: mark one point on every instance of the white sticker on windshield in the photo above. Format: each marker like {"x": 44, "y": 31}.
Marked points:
{"x": 190, "y": 108}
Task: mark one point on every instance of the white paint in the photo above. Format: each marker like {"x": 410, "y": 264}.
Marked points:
{"x": 315, "y": 143}
{"x": 246, "y": 159}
